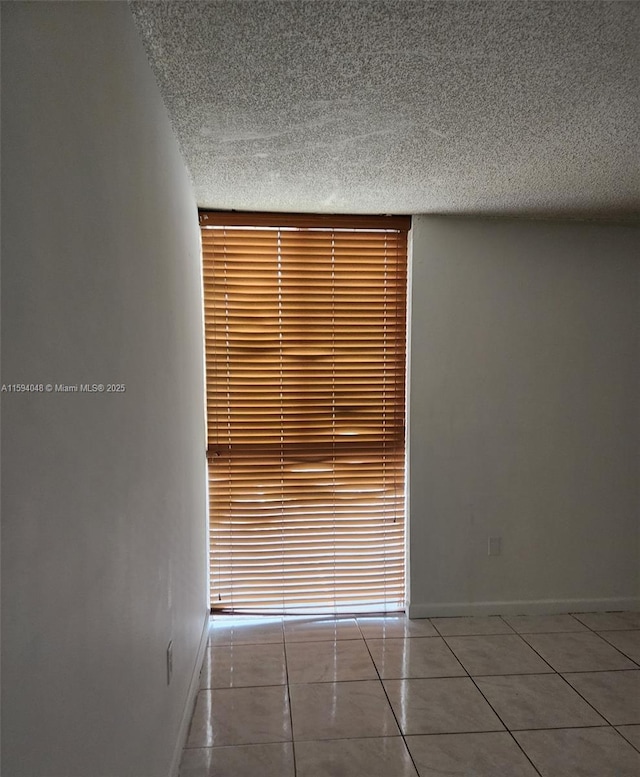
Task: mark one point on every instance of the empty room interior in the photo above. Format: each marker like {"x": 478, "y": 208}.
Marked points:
{"x": 320, "y": 388}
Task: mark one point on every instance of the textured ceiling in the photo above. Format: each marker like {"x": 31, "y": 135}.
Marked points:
{"x": 361, "y": 106}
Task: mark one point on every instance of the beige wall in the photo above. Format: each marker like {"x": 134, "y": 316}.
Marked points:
{"x": 524, "y": 416}
{"x": 103, "y": 495}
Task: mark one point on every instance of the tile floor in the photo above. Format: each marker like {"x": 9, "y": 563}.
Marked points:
{"x": 554, "y": 695}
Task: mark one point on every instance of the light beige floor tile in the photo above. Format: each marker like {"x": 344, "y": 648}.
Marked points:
{"x": 544, "y": 624}
{"x": 414, "y": 657}
{"x": 379, "y": 757}
{"x": 578, "y": 652}
{"x": 626, "y": 641}
{"x": 317, "y": 630}
{"x": 588, "y": 752}
{"x": 537, "y": 701}
{"x": 631, "y": 734}
{"x": 316, "y": 662}
{"x": 609, "y": 621}
{"x": 616, "y": 695}
{"x": 456, "y": 627}
{"x": 237, "y": 666}
{"x": 440, "y": 706}
{"x": 348, "y": 728}
{"x": 240, "y": 716}
{"x": 492, "y": 754}
{"x": 343, "y": 710}
{"x": 272, "y": 760}
{"x": 497, "y": 654}
{"x": 230, "y": 630}
{"x": 395, "y": 626}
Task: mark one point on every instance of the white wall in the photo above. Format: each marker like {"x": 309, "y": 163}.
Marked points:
{"x": 104, "y": 519}
{"x": 524, "y": 416}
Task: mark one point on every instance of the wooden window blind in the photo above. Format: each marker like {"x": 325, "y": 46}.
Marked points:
{"x": 305, "y": 357}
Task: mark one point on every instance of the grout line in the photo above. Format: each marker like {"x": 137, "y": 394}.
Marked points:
{"x": 596, "y": 671}
{"x": 604, "y": 724}
{"x": 241, "y": 744}
{"x": 460, "y": 664}
{"x": 244, "y": 687}
{"x": 469, "y": 636}
{"x": 286, "y": 674}
{"x": 349, "y": 739}
{"x": 553, "y": 671}
{"x": 554, "y": 631}
{"x": 393, "y": 712}
{"x": 412, "y": 637}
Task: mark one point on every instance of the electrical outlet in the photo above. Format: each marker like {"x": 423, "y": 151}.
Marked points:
{"x": 169, "y": 662}
{"x": 494, "y": 546}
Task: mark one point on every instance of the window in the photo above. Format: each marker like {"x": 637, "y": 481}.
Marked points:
{"x": 305, "y": 351}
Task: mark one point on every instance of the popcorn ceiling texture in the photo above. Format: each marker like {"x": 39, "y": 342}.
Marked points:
{"x": 496, "y": 108}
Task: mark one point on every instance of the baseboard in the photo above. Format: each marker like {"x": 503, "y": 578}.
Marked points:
{"x": 522, "y": 607}
{"x": 191, "y": 701}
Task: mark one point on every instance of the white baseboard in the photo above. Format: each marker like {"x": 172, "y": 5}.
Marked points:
{"x": 191, "y": 701}
{"x": 523, "y": 607}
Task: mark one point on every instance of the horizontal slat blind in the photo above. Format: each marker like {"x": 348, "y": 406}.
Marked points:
{"x": 305, "y": 350}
